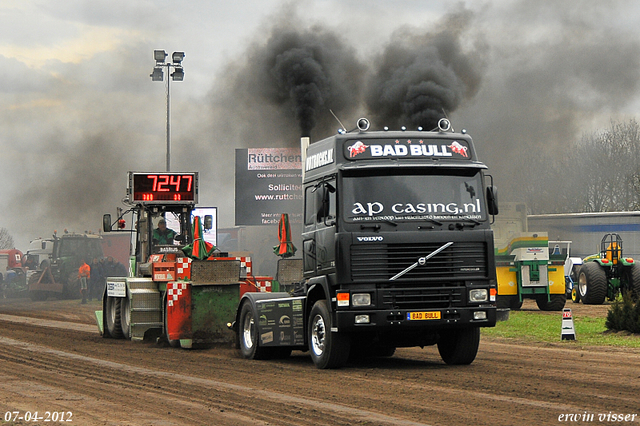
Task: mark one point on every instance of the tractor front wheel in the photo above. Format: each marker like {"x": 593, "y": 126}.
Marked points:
{"x": 592, "y": 284}
{"x": 575, "y": 294}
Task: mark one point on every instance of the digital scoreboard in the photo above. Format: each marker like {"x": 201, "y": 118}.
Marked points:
{"x": 163, "y": 188}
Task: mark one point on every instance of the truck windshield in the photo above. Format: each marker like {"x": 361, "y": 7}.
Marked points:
{"x": 413, "y": 197}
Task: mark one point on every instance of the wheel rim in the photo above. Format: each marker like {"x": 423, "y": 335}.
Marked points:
{"x": 111, "y": 311}
{"x": 574, "y": 294}
{"x": 248, "y": 333}
{"x": 125, "y": 315}
{"x": 582, "y": 285}
{"x": 318, "y": 334}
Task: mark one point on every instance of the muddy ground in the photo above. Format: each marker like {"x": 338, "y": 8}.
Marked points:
{"x": 54, "y": 362}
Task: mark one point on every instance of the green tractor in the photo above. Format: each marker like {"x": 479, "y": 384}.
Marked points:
{"x": 57, "y": 273}
{"x": 606, "y": 274}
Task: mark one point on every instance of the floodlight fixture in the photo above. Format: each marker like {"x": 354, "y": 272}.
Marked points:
{"x": 178, "y": 74}
{"x": 159, "y": 55}
{"x": 157, "y": 74}
{"x": 177, "y": 57}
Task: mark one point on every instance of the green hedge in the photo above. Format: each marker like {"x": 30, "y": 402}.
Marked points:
{"x": 624, "y": 315}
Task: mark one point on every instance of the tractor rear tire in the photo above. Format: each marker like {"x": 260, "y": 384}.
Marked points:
{"x": 459, "y": 347}
{"x": 555, "y": 304}
{"x": 112, "y": 317}
{"x": 592, "y": 284}
{"x": 125, "y": 317}
{"x": 633, "y": 281}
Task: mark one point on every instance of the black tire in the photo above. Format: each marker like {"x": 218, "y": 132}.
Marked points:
{"x": 383, "y": 351}
{"x": 633, "y": 281}
{"x": 459, "y": 347}
{"x": 575, "y": 294}
{"x": 125, "y": 317}
{"x": 248, "y": 335}
{"x": 71, "y": 290}
{"x": 328, "y": 350}
{"x": 112, "y": 317}
{"x": 556, "y": 303}
{"x": 512, "y": 302}
{"x": 592, "y": 284}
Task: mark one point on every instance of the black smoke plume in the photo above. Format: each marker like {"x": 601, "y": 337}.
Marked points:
{"x": 419, "y": 78}
{"x": 304, "y": 74}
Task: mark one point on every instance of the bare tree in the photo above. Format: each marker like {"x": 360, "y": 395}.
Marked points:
{"x": 6, "y": 240}
{"x": 598, "y": 173}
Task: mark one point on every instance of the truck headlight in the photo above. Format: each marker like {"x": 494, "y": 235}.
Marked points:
{"x": 362, "y": 319}
{"x": 478, "y": 295}
{"x": 361, "y": 299}
{"x": 479, "y": 315}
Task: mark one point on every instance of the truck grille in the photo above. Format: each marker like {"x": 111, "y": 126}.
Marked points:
{"x": 423, "y": 298}
{"x": 379, "y": 262}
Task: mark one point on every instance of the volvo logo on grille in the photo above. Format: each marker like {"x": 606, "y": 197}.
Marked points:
{"x": 421, "y": 261}
{"x": 376, "y": 238}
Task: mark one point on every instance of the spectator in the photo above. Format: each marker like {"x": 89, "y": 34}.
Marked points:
{"x": 84, "y": 274}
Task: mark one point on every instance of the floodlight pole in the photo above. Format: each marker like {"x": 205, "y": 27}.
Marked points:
{"x": 178, "y": 75}
{"x": 168, "y": 122}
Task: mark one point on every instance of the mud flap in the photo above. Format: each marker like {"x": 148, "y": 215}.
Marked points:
{"x": 100, "y": 322}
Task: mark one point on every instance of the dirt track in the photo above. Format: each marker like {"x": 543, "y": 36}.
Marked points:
{"x": 70, "y": 368}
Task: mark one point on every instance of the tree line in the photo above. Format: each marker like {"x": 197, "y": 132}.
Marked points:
{"x": 600, "y": 172}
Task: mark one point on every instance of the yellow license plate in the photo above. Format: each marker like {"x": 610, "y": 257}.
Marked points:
{"x": 431, "y": 315}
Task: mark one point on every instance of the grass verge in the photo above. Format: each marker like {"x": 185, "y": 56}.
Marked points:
{"x": 542, "y": 327}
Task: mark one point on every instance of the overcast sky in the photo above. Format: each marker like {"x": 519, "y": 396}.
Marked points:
{"x": 79, "y": 108}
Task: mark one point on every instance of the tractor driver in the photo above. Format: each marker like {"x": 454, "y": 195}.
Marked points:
{"x": 162, "y": 234}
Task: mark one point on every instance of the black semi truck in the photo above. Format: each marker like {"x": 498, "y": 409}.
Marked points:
{"x": 397, "y": 252}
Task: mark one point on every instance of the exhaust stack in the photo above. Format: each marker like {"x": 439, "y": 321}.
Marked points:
{"x": 304, "y": 144}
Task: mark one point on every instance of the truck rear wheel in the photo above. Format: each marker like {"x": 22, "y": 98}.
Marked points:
{"x": 459, "y": 347}
{"x": 248, "y": 335}
{"x": 112, "y": 317}
{"x": 328, "y": 350}
{"x": 556, "y": 303}
{"x": 592, "y": 284}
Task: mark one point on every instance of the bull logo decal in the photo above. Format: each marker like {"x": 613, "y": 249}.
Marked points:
{"x": 458, "y": 148}
{"x": 357, "y": 148}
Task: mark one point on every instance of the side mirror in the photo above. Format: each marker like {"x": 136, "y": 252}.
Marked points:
{"x": 492, "y": 200}
{"x": 106, "y": 223}
{"x": 208, "y": 222}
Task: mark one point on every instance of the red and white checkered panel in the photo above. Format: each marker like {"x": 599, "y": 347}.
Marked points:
{"x": 183, "y": 268}
{"x": 264, "y": 284}
{"x": 174, "y": 291}
{"x": 245, "y": 266}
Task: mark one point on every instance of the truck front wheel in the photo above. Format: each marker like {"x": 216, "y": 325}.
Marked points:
{"x": 459, "y": 347}
{"x": 328, "y": 350}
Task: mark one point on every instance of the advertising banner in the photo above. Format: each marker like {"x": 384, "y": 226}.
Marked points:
{"x": 268, "y": 183}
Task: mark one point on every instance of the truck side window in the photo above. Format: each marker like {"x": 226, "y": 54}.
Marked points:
{"x": 326, "y": 201}
{"x": 309, "y": 206}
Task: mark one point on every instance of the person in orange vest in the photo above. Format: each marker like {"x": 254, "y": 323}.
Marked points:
{"x": 84, "y": 273}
